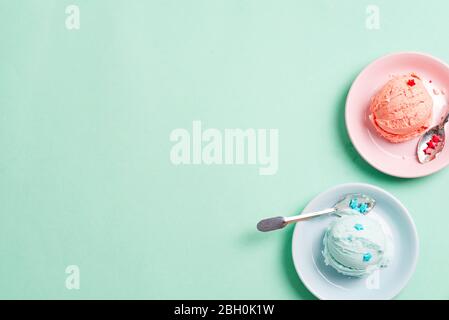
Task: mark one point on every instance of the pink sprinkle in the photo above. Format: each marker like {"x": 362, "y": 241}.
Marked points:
{"x": 436, "y": 138}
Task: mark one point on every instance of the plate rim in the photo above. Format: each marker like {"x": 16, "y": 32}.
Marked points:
{"x": 351, "y": 137}
{"x": 405, "y": 212}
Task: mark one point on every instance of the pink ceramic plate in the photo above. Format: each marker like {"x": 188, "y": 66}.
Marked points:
{"x": 396, "y": 159}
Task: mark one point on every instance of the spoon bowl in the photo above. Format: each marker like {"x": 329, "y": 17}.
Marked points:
{"x": 432, "y": 142}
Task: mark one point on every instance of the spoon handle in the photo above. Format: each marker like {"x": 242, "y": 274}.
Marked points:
{"x": 276, "y": 223}
{"x": 305, "y": 216}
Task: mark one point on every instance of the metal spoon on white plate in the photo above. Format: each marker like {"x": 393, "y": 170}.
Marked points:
{"x": 354, "y": 202}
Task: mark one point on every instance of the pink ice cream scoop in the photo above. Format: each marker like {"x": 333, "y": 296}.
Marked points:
{"x": 402, "y": 109}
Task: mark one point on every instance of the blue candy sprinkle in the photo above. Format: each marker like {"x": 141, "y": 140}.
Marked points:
{"x": 353, "y": 204}
{"x": 358, "y": 227}
{"x": 363, "y": 208}
{"x": 367, "y": 257}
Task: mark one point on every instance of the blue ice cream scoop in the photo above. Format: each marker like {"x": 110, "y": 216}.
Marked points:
{"x": 356, "y": 245}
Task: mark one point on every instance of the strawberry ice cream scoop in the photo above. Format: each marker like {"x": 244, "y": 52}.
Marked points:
{"x": 402, "y": 109}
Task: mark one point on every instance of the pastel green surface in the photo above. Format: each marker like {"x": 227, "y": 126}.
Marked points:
{"x": 85, "y": 116}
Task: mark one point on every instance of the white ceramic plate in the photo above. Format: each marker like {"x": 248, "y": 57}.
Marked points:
{"x": 326, "y": 283}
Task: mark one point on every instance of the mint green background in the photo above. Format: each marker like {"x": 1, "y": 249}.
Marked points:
{"x": 85, "y": 176}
